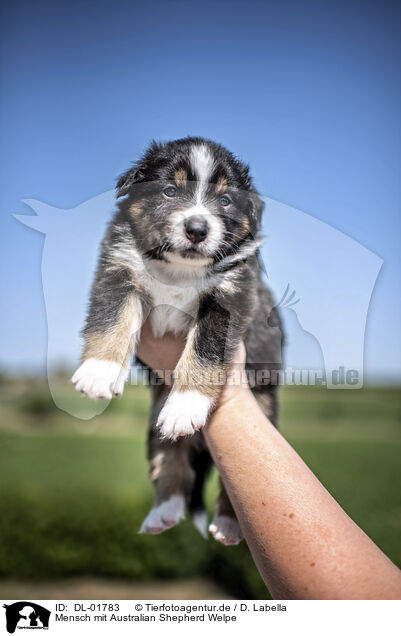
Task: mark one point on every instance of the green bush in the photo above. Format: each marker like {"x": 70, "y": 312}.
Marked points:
{"x": 37, "y": 404}
{"x": 94, "y": 534}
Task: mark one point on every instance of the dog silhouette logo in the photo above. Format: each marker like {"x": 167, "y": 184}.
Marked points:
{"x": 323, "y": 278}
{"x": 303, "y": 350}
{"x": 26, "y": 615}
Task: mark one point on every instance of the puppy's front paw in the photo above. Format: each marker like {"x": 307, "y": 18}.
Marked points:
{"x": 100, "y": 378}
{"x": 183, "y": 414}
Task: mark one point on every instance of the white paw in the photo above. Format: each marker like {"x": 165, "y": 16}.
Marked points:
{"x": 183, "y": 414}
{"x": 164, "y": 516}
{"x": 100, "y": 378}
{"x": 226, "y": 530}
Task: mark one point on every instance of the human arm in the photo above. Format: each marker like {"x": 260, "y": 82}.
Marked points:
{"x": 304, "y": 545}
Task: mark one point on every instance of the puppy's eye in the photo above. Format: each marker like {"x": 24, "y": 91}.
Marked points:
{"x": 170, "y": 192}
{"x": 224, "y": 201}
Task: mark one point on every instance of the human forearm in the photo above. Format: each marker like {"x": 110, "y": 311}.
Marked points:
{"x": 303, "y": 543}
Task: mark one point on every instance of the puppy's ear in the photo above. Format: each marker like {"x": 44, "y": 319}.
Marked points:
{"x": 256, "y": 207}
{"x": 127, "y": 180}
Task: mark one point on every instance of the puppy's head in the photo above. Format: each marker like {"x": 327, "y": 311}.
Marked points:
{"x": 190, "y": 201}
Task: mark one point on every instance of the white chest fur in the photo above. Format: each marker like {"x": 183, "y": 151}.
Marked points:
{"x": 174, "y": 287}
{"x": 175, "y": 292}
{"x": 174, "y": 307}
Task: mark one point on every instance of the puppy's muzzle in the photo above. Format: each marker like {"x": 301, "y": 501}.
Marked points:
{"x": 196, "y": 228}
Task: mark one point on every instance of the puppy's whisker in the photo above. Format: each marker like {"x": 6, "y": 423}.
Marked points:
{"x": 238, "y": 236}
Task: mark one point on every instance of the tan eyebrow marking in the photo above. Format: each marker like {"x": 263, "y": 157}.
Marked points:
{"x": 181, "y": 177}
{"x": 221, "y": 185}
{"x": 135, "y": 209}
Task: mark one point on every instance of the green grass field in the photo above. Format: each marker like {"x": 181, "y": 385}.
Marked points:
{"x": 73, "y": 493}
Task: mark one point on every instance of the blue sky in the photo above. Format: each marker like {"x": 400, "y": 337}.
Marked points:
{"x": 308, "y": 93}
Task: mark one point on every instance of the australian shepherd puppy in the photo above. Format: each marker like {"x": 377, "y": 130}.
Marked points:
{"x": 182, "y": 251}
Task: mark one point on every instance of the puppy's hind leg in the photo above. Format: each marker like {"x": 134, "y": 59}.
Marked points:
{"x": 225, "y": 527}
{"x": 171, "y": 472}
{"x": 173, "y": 477}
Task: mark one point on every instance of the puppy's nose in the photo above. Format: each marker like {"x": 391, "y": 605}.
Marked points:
{"x": 196, "y": 228}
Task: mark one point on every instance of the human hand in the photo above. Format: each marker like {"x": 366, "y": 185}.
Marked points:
{"x": 162, "y": 354}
